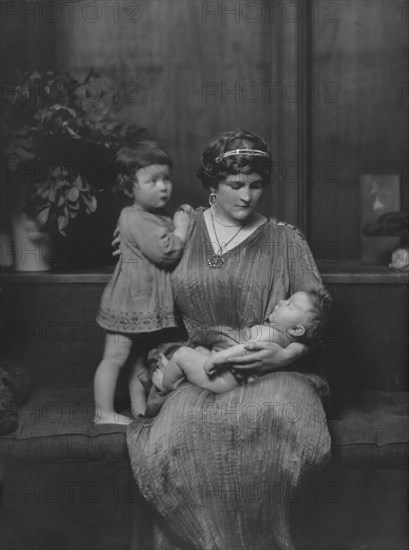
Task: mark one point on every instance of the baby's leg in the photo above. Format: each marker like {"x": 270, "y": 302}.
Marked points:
{"x": 221, "y": 383}
{"x": 117, "y": 348}
{"x": 203, "y": 350}
{"x": 172, "y": 371}
{"x": 169, "y": 372}
{"x": 190, "y": 363}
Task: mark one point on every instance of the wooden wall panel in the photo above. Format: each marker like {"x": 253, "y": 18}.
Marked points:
{"x": 170, "y": 53}
{"x": 353, "y": 89}
{"x": 359, "y": 114}
{"x": 27, "y": 41}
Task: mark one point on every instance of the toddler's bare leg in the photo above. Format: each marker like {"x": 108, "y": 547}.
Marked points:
{"x": 136, "y": 389}
{"x": 117, "y": 349}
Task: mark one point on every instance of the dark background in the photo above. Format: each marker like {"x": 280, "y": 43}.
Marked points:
{"x": 187, "y": 70}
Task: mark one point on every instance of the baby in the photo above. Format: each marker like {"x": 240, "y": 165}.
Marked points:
{"x": 293, "y": 323}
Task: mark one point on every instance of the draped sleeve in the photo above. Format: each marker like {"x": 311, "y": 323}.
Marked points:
{"x": 302, "y": 270}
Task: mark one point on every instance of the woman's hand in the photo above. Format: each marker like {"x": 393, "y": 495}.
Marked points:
{"x": 264, "y": 357}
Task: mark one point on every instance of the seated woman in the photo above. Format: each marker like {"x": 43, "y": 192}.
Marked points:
{"x": 297, "y": 320}
{"x": 221, "y": 470}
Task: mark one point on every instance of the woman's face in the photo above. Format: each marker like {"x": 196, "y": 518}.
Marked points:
{"x": 238, "y": 196}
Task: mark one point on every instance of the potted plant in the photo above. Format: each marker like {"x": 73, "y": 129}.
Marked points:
{"x": 59, "y": 137}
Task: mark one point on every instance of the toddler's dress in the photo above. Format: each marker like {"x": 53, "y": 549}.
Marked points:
{"x": 139, "y": 297}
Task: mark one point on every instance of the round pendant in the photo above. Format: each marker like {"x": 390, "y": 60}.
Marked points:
{"x": 215, "y": 261}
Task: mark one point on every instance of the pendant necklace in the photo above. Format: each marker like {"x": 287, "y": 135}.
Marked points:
{"x": 217, "y": 260}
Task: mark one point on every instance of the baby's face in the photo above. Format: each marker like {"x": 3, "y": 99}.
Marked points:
{"x": 294, "y": 310}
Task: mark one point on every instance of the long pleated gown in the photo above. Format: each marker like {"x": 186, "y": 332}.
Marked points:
{"x": 222, "y": 470}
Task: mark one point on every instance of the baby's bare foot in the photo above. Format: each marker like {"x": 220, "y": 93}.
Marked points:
{"x": 157, "y": 378}
{"x": 112, "y": 418}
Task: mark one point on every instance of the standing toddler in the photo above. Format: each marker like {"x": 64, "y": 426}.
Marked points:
{"x": 138, "y": 299}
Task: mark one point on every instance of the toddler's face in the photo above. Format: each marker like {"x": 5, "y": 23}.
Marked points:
{"x": 152, "y": 187}
{"x": 294, "y": 310}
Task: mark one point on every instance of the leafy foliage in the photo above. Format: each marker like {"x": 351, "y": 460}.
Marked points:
{"x": 59, "y": 137}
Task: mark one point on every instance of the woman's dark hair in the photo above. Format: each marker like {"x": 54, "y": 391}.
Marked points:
{"x": 129, "y": 159}
{"x": 320, "y": 310}
{"x": 215, "y": 168}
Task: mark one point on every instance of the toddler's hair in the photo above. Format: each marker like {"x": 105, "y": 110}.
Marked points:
{"x": 129, "y": 159}
{"x": 320, "y": 310}
{"x": 214, "y": 168}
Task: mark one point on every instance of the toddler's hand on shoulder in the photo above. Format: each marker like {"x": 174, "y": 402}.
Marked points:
{"x": 186, "y": 208}
{"x": 181, "y": 219}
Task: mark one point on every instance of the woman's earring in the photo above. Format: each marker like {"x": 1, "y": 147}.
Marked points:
{"x": 212, "y": 198}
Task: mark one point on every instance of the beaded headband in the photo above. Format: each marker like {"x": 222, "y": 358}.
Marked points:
{"x": 250, "y": 152}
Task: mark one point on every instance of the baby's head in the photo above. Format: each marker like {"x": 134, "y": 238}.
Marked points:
{"x": 143, "y": 173}
{"x": 303, "y": 316}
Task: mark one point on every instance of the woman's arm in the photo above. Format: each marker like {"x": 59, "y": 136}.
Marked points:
{"x": 239, "y": 355}
{"x": 263, "y": 353}
{"x": 301, "y": 267}
{"x": 302, "y": 274}
{"x": 264, "y": 357}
